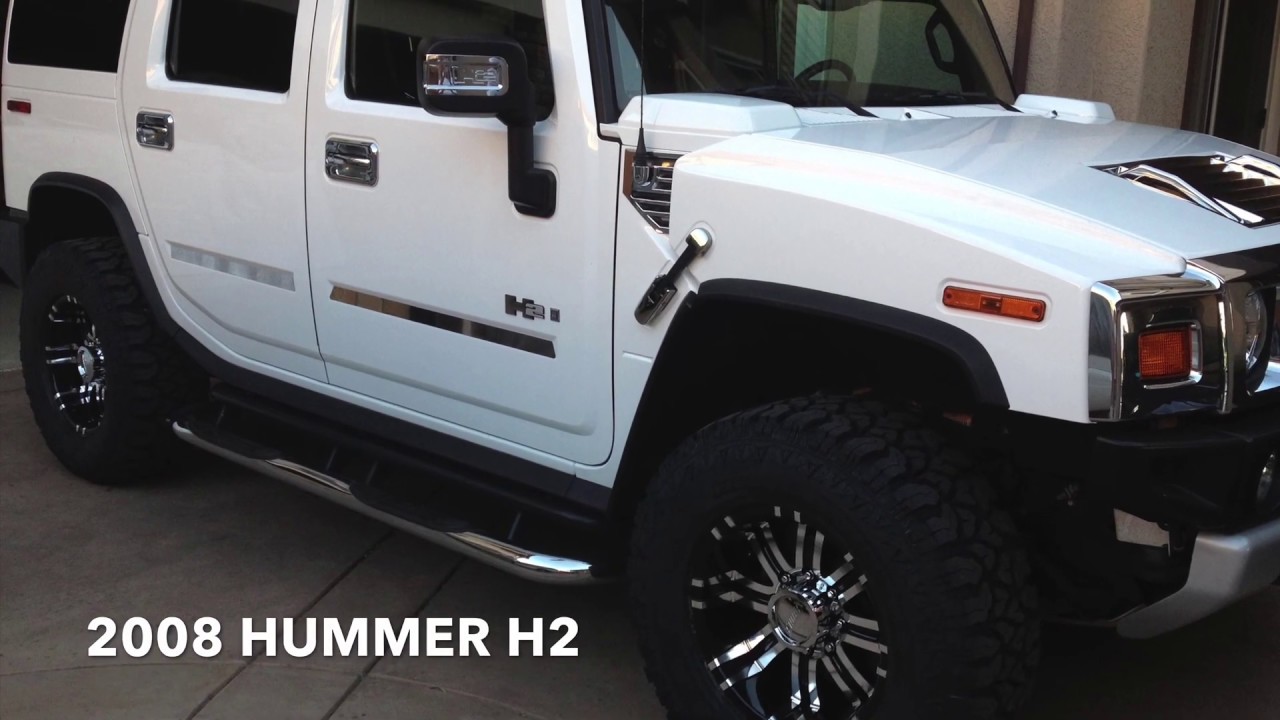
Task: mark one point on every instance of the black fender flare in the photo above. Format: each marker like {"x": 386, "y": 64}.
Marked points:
{"x": 638, "y": 455}
{"x": 947, "y": 339}
{"x": 125, "y": 228}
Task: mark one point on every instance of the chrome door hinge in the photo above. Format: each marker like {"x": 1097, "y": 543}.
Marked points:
{"x": 353, "y": 161}
{"x": 663, "y": 288}
{"x": 155, "y": 130}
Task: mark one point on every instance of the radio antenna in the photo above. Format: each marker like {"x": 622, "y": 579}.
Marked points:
{"x": 642, "y": 150}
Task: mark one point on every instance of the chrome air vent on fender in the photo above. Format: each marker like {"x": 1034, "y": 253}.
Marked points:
{"x": 648, "y": 187}
{"x": 1245, "y": 189}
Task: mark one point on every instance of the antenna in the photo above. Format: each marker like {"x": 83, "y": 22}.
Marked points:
{"x": 643, "y": 163}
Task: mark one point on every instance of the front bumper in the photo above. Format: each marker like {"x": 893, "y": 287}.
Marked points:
{"x": 1202, "y": 475}
{"x": 1224, "y": 569}
{"x": 1193, "y": 488}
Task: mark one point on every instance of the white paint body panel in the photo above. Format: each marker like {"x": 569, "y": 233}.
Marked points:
{"x": 231, "y": 186}
{"x": 74, "y": 127}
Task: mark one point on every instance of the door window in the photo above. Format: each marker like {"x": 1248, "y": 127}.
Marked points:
{"x": 236, "y": 43}
{"x": 382, "y": 53}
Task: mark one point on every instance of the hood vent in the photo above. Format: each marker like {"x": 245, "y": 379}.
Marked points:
{"x": 648, "y": 187}
{"x": 1244, "y": 189}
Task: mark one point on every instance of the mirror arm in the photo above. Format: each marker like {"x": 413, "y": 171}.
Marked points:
{"x": 531, "y": 189}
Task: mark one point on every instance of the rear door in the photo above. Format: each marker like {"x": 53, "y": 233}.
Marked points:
{"x": 215, "y": 107}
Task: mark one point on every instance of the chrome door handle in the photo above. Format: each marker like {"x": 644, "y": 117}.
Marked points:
{"x": 353, "y": 161}
{"x": 155, "y": 130}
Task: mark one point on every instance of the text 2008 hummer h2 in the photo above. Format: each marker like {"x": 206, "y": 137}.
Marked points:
{"x": 854, "y": 363}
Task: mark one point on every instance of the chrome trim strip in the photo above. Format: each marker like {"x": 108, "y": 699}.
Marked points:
{"x": 523, "y": 563}
{"x": 1224, "y": 569}
{"x": 442, "y": 321}
{"x": 243, "y": 269}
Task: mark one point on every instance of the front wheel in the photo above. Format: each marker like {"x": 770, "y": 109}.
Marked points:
{"x": 828, "y": 558}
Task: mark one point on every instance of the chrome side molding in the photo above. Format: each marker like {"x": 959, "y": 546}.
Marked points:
{"x": 529, "y": 565}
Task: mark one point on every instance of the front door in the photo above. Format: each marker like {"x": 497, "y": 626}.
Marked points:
{"x": 215, "y": 110}
{"x": 431, "y": 291}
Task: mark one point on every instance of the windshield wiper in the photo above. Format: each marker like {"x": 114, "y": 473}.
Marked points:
{"x": 795, "y": 95}
{"x": 951, "y": 97}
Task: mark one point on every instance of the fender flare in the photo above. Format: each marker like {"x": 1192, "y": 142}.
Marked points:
{"x": 947, "y": 339}
{"x": 638, "y": 461}
{"x": 125, "y": 227}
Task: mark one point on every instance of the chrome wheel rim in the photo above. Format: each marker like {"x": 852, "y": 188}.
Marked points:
{"x": 77, "y": 364}
{"x": 783, "y": 617}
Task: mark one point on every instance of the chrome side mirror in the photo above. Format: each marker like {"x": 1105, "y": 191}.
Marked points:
{"x": 487, "y": 76}
{"x": 490, "y": 78}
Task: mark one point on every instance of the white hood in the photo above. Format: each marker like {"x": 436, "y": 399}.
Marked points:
{"x": 1024, "y": 184}
{"x": 1054, "y": 163}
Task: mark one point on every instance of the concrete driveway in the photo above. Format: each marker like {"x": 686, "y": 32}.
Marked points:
{"x": 217, "y": 541}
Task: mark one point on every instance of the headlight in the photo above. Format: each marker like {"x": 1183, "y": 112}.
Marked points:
{"x": 1222, "y": 312}
{"x": 1255, "y": 329}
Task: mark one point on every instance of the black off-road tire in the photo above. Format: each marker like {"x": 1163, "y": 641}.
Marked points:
{"x": 946, "y": 571}
{"x": 148, "y": 375}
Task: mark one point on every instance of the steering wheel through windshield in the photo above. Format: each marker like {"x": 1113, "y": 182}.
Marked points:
{"x": 813, "y": 71}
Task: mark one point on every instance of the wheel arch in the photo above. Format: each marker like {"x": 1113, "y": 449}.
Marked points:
{"x": 64, "y": 206}
{"x": 737, "y": 344}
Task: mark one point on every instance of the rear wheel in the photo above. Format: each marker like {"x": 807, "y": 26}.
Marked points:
{"x": 829, "y": 558}
{"x": 101, "y": 376}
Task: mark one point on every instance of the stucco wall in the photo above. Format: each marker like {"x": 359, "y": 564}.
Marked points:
{"x": 1130, "y": 53}
{"x": 1004, "y": 15}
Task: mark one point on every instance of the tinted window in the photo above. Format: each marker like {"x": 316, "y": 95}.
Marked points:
{"x": 829, "y": 53}
{"x": 382, "y": 59}
{"x": 238, "y": 43}
{"x": 77, "y": 34}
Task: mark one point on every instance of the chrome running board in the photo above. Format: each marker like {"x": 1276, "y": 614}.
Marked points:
{"x": 490, "y": 551}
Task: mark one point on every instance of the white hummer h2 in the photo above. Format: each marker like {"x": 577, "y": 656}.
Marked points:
{"x": 855, "y": 364}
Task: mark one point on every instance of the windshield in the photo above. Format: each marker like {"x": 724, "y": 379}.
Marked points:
{"x": 810, "y": 53}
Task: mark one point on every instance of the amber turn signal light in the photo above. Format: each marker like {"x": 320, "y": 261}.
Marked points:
{"x": 1165, "y": 355}
{"x": 1010, "y": 306}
